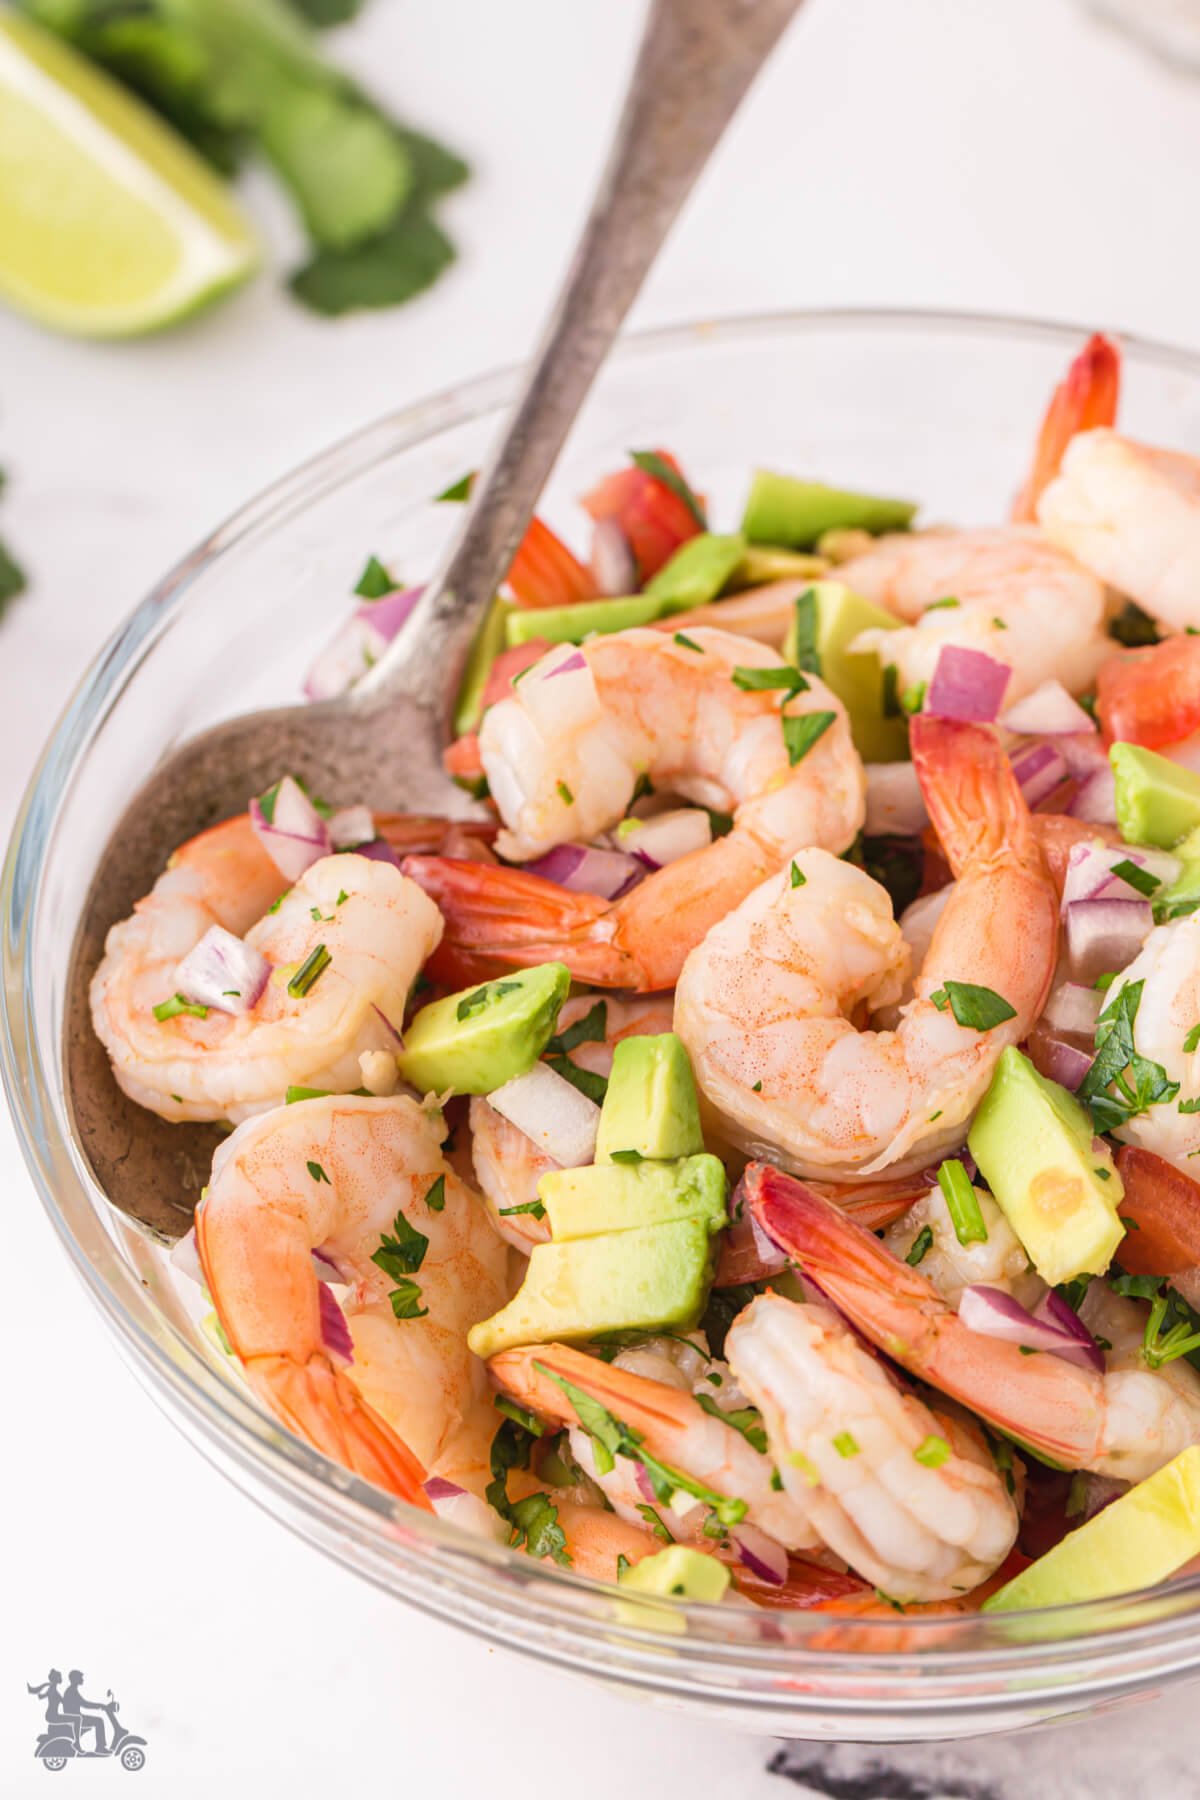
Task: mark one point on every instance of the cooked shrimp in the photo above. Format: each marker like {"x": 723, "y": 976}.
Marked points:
{"x": 1016, "y": 597}
{"x": 1130, "y": 515}
{"x": 1085, "y": 399}
{"x": 508, "y": 1165}
{"x": 1126, "y": 1422}
{"x": 765, "y": 1004}
{"x": 1168, "y": 1011}
{"x": 673, "y": 1429}
{"x": 999, "y": 1261}
{"x": 332, "y": 1175}
{"x": 564, "y": 754}
{"x": 376, "y": 927}
{"x": 910, "y": 1498}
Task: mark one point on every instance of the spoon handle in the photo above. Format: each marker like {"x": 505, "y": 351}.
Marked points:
{"x": 695, "y": 62}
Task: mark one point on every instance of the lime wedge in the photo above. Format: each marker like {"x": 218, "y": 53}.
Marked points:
{"x": 109, "y": 223}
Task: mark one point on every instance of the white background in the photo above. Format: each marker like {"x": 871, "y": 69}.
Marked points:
{"x": 1000, "y": 154}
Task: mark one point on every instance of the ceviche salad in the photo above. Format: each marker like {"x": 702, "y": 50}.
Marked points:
{"x": 752, "y": 1160}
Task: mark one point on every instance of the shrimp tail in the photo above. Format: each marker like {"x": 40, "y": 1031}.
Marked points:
{"x": 1046, "y": 1404}
{"x": 1085, "y": 399}
{"x": 499, "y": 919}
{"x": 529, "y": 1376}
{"x": 973, "y": 798}
{"x": 319, "y": 1404}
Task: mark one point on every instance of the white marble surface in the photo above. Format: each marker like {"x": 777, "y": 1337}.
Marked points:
{"x": 948, "y": 152}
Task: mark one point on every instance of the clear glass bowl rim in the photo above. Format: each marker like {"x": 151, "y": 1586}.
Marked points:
{"x": 981, "y": 1664}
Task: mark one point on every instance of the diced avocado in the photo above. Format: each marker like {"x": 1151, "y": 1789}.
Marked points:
{"x": 828, "y": 616}
{"x": 639, "y": 1280}
{"x": 784, "y": 510}
{"x": 617, "y": 1196}
{"x": 678, "y": 1572}
{"x": 1136, "y": 1542}
{"x": 1033, "y": 1143}
{"x": 697, "y": 572}
{"x": 1158, "y": 801}
{"x": 651, "y": 1109}
{"x": 477, "y": 1040}
{"x": 489, "y": 642}
{"x": 571, "y": 624}
{"x": 1183, "y": 895}
{"x": 767, "y": 562}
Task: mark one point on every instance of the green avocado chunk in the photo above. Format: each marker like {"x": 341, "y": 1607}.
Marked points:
{"x": 678, "y": 1572}
{"x": 1158, "y": 801}
{"x": 827, "y": 618}
{"x": 1060, "y": 1193}
{"x": 1136, "y": 1542}
{"x": 783, "y": 510}
{"x": 1183, "y": 895}
{"x": 697, "y": 572}
{"x": 617, "y": 1197}
{"x": 571, "y": 624}
{"x": 637, "y": 1280}
{"x": 477, "y": 1040}
{"x": 489, "y": 642}
{"x": 650, "y": 1110}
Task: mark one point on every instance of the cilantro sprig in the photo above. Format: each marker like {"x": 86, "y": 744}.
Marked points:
{"x": 1139, "y": 1082}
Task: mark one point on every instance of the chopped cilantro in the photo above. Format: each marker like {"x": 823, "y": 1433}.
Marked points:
{"x": 375, "y": 582}
{"x": 654, "y": 1521}
{"x": 933, "y": 1452}
{"x": 564, "y": 793}
{"x": 798, "y": 879}
{"x": 977, "y": 1008}
{"x": 318, "y": 1174}
{"x": 435, "y": 1198}
{"x": 757, "y": 1088}
{"x": 800, "y": 733}
{"x": 920, "y": 1247}
{"x": 1189, "y": 1106}
{"x": 1135, "y": 877}
{"x": 458, "y": 490}
{"x": 846, "y": 1444}
{"x": 1192, "y": 1041}
{"x": 592, "y": 1028}
{"x": 937, "y": 605}
{"x": 746, "y": 1419}
{"x": 913, "y": 698}
{"x": 535, "y": 1525}
{"x": 759, "y": 681}
{"x": 402, "y": 1251}
{"x": 1140, "y": 1083}
{"x": 405, "y": 1300}
{"x": 962, "y": 1203}
{"x": 534, "y": 1208}
{"x": 594, "y": 1086}
{"x": 808, "y": 657}
{"x": 1133, "y": 627}
{"x": 528, "y": 1421}
{"x": 687, "y": 643}
{"x": 891, "y": 691}
{"x": 627, "y": 1156}
{"x": 470, "y": 1004}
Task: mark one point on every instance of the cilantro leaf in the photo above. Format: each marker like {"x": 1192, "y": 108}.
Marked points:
{"x": 1140, "y": 1083}
{"x": 395, "y": 266}
{"x": 405, "y": 1299}
{"x": 402, "y": 1251}
{"x": 800, "y": 733}
{"x": 374, "y": 582}
{"x": 535, "y": 1525}
{"x": 977, "y": 1008}
{"x": 808, "y": 657}
{"x": 1135, "y": 877}
{"x": 757, "y": 681}
{"x": 594, "y": 1086}
{"x": 592, "y": 1028}
{"x": 12, "y": 579}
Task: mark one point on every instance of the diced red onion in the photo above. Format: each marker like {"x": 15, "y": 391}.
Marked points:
{"x": 1103, "y": 936}
{"x": 1090, "y": 874}
{"x": 645, "y": 1486}
{"x": 295, "y": 836}
{"x": 967, "y": 685}
{"x": 667, "y": 836}
{"x": 746, "y": 1253}
{"x": 438, "y": 1488}
{"x": 991, "y": 1312}
{"x": 223, "y": 972}
{"x": 1095, "y": 799}
{"x": 351, "y": 826}
{"x": 895, "y": 803}
{"x": 1049, "y": 711}
{"x": 1039, "y": 770}
{"x": 764, "y": 1556}
{"x": 378, "y": 850}
{"x": 576, "y": 660}
{"x": 584, "y": 869}
{"x": 359, "y": 643}
{"x": 1095, "y": 1492}
{"x": 613, "y": 562}
{"x": 1073, "y": 1009}
{"x": 1083, "y": 752}
{"x": 552, "y": 1114}
{"x": 1058, "y": 1060}
{"x": 335, "y": 1333}
{"x": 326, "y": 1268}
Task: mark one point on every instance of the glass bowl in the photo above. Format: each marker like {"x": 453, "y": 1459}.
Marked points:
{"x": 938, "y": 407}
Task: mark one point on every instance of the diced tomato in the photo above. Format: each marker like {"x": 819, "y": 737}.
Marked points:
{"x": 1164, "y": 1205}
{"x": 653, "y": 517}
{"x": 1151, "y": 696}
{"x": 545, "y": 573}
{"x": 507, "y": 666}
{"x": 808, "y": 1586}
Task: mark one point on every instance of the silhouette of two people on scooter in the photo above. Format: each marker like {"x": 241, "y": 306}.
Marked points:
{"x": 70, "y": 1705}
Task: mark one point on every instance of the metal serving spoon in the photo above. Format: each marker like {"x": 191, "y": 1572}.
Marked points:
{"x": 382, "y": 744}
